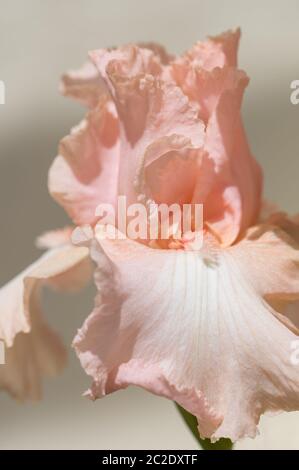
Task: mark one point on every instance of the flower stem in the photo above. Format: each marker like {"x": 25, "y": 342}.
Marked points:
{"x": 206, "y": 444}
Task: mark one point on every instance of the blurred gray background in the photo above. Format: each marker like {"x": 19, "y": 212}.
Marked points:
{"x": 39, "y": 40}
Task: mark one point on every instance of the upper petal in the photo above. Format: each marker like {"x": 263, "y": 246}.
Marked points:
{"x": 155, "y": 116}
{"x": 85, "y": 173}
{"x": 207, "y": 74}
{"x": 84, "y": 85}
{"x": 175, "y": 116}
{"x": 216, "y": 51}
{"x": 232, "y": 191}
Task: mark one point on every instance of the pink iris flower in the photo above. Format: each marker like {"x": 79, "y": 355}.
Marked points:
{"x": 211, "y": 329}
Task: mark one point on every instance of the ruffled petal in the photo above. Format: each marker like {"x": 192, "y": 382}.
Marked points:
{"x": 33, "y": 349}
{"x": 287, "y": 227}
{"x": 85, "y": 173}
{"x": 232, "y": 200}
{"x": 228, "y": 42}
{"x": 216, "y": 51}
{"x": 159, "y": 51}
{"x": 207, "y": 74}
{"x": 231, "y": 190}
{"x": 33, "y": 355}
{"x": 156, "y": 118}
{"x": 238, "y": 177}
{"x": 127, "y": 61}
{"x": 196, "y": 328}
{"x": 175, "y": 116}
{"x": 84, "y": 85}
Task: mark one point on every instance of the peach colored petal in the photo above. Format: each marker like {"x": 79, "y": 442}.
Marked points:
{"x": 287, "y": 228}
{"x": 33, "y": 349}
{"x": 127, "y": 61}
{"x": 173, "y": 116}
{"x": 233, "y": 196}
{"x": 208, "y": 76}
{"x": 127, "y": 72}
{"x": 206, "y": 88}
{"x": 194, "y": 329}
{"x": 54, "y": 238}
{"x": 158, "y": 50}
{"x": 33, "y": 355}
{"x": 58, "y": 268}
{"x": 161, "y": 180}
{"x": 289, "y": 224}
{"x": 155, "y": 116}
{"x": 229, "y": 44}
{"x": 216, "y": 51}
{"x": 85, "y": 173}
{"x": 84, "y": 85}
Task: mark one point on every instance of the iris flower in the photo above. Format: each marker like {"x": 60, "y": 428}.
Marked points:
{"x": 211, "y": 329}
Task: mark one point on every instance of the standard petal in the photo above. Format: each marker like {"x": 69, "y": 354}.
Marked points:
{"x": 229, "y": 44}
{"x": 33, "y": 349}
{"x": 216, "y": 51}
{"x": 85, "y": 173}
{"x": 197, "y": 330}
{"x": 127, "y": 61}
{"x": 84, "y": 85}
{"x": 233, "y": 201}
{"x": 158, "y": 50}
{"x": 156, "y": 118}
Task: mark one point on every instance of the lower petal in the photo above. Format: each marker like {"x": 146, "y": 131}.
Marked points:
{"x": 195, "y": 330}
{"x": 33, "y": 349}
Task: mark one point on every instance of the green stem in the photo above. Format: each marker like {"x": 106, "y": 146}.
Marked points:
{"x": 206, "y": 444}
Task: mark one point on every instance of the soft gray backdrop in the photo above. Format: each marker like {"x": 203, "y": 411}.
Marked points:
{"x": 39, "y": 40}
